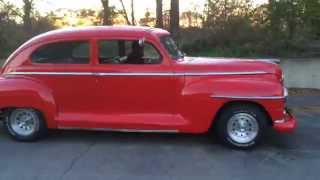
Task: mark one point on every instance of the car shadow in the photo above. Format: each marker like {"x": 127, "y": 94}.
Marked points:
{"x": 300, "y": 139}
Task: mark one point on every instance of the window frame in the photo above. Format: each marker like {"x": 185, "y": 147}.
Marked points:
{"x": 97, "y": 60}
{"x": 43, "y": 44}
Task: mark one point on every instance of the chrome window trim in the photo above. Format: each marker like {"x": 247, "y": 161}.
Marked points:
{"x": 139, "y": 74}
{"x": 120, "y": 130}
{"x": 250, "y": 97}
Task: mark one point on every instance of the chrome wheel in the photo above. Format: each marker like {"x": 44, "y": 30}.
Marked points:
{"x": 24, "y": 122}
{"x": 242, "y": 128}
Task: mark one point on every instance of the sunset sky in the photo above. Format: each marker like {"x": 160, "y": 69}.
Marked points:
{"x": 140, "y": 5}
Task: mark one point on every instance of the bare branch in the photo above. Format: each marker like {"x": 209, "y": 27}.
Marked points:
{"x": 125, "y": 14}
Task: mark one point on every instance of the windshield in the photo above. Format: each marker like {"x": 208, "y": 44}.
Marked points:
{"x": 171, "y": 47}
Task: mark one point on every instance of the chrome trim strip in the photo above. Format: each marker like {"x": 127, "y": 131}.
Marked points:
{"x": 119, "y": 130}
{"x": 280, "y": 121}
{"x": 225, "y": 73}
{"x": 285, "y": 92}
{"x": 140, "y": 74}
{"x": 250, "y": 97}
{"x": 53, "y": 73}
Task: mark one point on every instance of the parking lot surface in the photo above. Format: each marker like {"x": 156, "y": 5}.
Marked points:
{"x": 86, "y": 155}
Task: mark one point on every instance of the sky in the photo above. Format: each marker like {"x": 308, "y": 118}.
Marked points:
{"x": 140, "y": 5}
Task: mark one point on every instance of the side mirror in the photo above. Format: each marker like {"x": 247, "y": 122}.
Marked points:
{"x": 141, "y": 42}
{"x": 184, "y": 54}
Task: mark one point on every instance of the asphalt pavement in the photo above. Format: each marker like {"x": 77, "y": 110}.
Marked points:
{"x": 83, "y": 155}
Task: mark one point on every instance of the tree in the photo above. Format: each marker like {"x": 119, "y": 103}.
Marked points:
{"x": 106, "y": 12}
{"x": 285, "y": 17}
{"x": 133, "y": 21}
{"x": 220, "y": 14}
{"x": 27, "y": 13}
{"x": 8, "y": 26}
{"x": 312, "y": 16}
{"x": 159, "y": 22}
{"x": 174, "y": 18}
{"x": 191, "y": 18}
{"x": 147, "y": 20}
{"x": 125, "y": 14}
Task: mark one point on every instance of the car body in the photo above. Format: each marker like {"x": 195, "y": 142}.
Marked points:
{"x": 71, "y": 79}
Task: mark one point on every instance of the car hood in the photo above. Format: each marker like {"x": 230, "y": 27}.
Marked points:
{"x": 226, "y": 65}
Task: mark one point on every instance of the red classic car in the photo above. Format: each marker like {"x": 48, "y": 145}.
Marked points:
{"x": 135, "y": 79}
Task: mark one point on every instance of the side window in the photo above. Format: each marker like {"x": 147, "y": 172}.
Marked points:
{"x": 151, "y": 54}
{"x": 127, "y": 52}
{"x": 109, "y": 52}
{"x": 73, "y": 52}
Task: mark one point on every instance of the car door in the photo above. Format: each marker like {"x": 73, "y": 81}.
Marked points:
{"x": 65, "y": 68}
{"x": 134, "y": 93}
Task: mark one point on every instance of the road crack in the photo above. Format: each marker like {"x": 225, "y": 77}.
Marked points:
{"x": 76, "y": 159}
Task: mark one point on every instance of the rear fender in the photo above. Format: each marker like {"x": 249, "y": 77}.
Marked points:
{"x": 25, "y": 92}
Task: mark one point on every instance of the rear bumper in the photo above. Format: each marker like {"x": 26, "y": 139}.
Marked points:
{"x": 286, "y": 125}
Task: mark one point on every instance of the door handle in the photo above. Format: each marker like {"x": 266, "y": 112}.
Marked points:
{"x": 95, "y": 74}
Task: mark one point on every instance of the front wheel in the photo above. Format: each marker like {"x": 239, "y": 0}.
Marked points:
{"x": 25, "y": 124}
{"x": 241, "y": 126}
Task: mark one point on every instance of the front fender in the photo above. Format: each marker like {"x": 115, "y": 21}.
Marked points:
{"x": 25, "y": 92}
{"x": 253, "y": 85}
{"x": 203, "y": 97}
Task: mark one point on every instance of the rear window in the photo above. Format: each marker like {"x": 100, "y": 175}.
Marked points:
{"x": 73, "y": 52}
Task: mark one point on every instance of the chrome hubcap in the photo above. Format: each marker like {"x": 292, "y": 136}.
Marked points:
{"x": 23, "y": 121}
{"x": 242, "y": 128}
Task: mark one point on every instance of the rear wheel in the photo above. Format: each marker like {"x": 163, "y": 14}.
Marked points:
{"x": 25, "y": 124}
{"x": 241, "y": 126}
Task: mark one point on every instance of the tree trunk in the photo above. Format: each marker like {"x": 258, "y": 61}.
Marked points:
{"x": 125, "y": 14}
{"x": 174, "y": 18}
{"x": 159, "y": 23}
{"x": 27, "y": 10}
{"x": 133, "y": 21}
{"x": 272, "y": 16}
{"x": 106, "y": 12}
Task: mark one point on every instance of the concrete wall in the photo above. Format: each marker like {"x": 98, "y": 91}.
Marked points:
{"x": 301, "y": 73}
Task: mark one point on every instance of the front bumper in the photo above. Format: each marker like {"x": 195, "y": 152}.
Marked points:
{"x": 288, "y": 124}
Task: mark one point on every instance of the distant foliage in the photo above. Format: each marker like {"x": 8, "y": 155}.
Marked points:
{"x": 236, "y": 28}
{"x": 13, "y": 33}
{"x": 280, "y": 28}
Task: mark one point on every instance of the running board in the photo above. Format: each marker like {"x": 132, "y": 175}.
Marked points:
{"x": 120, "y": 130}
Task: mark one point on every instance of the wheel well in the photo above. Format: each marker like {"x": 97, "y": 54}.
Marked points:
{"x": 239, "y": 103}
{"x": 4, "y": 112}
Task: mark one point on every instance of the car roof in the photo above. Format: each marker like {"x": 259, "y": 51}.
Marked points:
{"x": 87, "y": 32}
